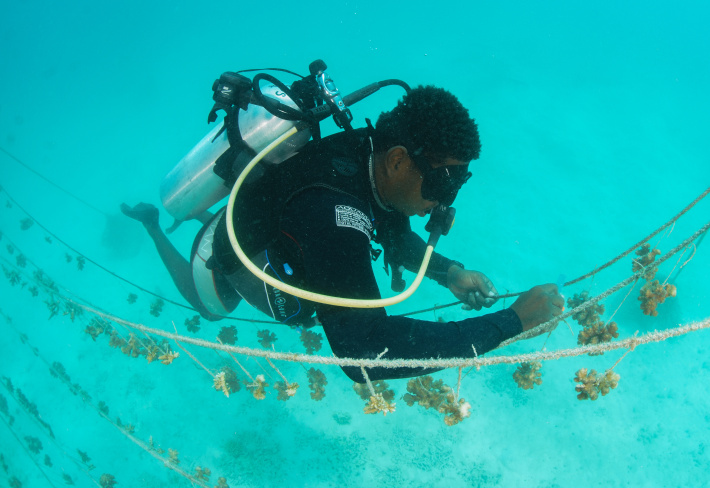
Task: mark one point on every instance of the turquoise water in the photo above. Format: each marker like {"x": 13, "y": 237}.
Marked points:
{"x": 593, "y": 119}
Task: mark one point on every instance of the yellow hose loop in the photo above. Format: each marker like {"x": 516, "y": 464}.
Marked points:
{"x": 292, "y": 290}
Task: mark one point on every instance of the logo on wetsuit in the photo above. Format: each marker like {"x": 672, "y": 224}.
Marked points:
{"x": 344, "y": 166}
{"x": 280, "y": 303}
{"x": 346, "y": 216}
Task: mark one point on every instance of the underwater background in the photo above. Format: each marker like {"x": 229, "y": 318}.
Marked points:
{"x": 593, "y": 120}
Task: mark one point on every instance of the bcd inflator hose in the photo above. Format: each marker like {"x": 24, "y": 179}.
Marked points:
{"x": 292, "y": 290}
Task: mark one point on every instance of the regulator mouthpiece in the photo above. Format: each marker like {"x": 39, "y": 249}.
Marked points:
{"x": 440, "y": 222}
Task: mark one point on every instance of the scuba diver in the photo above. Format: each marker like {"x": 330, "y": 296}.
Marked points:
{"x": 309, "y": 221}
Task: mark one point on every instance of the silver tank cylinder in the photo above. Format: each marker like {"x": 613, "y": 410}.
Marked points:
{"x": 192, "y": 187}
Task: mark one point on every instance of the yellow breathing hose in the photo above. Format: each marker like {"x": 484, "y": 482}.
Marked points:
{"x": 292, "y": 290}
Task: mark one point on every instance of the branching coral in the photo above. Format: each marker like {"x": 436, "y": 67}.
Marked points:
{"x": 220, "y": 384}
{"x": 33, "y": 444}
{"x": 588, "y": 316}
{"x": 156, "y": 307}
{"x": 116, "y": 340}
{"x": 380, "y": 387}
{"x": 103, "y": 408}
{"x": 59, "y": 371}
{"x": 44, "y": 280}
{"x": 266, "y": 338}
{"x": 221, "y": 483}
{"x": 127, "y": 428}
{"x": 202, "y": 474}
{"x": 228, "y": 335}
{"x": 107, "y": 481}
{"x": 80, "y": 263}
{"x": 258, "y": 387}
{"x": 131, "y": 299}
{"x": 169, "y": 357}
{"x": 85, "y": 459}
{"x": 133, "y": 347}
{"x": 4, "y": 408}
{"x": 193, "y": 324}
{"x": 173, "y": 456}
{"x": 286, "y": 390}
{"x": 592, "y": 383}
{"x": 27, "y": 404}
{"x": 311, "y": 341}
{"x": 53, "y": 306}
{"x": 594, "y": 330}
{"x": 426, "y": 391}
{"x": 430, "y": 393}
{"x": 527, "y": 375}
{"x": 646, "y": 257}
{"x": 12, "y": 276}
{"x": 26, "y": 223}
{"x": 377, "y": 403}
{"x": 231, "y": 379}
{"x": 598, "y": 333}
{"x": 652, "y": 294}
{"x": 317, "y": 382}
{"x": 98, "y": 326}
{"x": 152, "y": 353}
{"x": 72, "y": 310}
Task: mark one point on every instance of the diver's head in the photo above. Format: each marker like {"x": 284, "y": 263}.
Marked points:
{"x": 432, "y": 133}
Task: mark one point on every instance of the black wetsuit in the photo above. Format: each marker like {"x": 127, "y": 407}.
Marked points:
{"x": 315, "y": 215}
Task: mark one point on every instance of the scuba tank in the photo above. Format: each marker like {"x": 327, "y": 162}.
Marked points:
{"x": 255, "y": 116}
{"x": 203, "y": 177}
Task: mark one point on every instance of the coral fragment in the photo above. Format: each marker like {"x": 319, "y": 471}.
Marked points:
{"x": 317, "y": 382}
{"x": 258, "y": 387}
{"x": 592, "y": 383}
{"x": 377, "y": 404}
{"x": 527, "y": 375}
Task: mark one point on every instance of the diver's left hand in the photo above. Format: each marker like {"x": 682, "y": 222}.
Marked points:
{"x": 473, "y": 288}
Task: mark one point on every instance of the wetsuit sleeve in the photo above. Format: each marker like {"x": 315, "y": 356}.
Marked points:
{"x": 404, "y": 247}
{"x": 336, "y": 260}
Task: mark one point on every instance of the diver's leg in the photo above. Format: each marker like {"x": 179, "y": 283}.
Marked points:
{"x": 176, "y": 264}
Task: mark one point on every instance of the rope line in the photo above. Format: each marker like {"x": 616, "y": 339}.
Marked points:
{"x": 551, "y": 324}
{"x": 29, "y": 455}
{"x": 27, "y": 167}
{"x": 116, "y": 275}
{"x": 438, "y": 307}
{"x": 642, "y": 242}
{"x": 165, "y": 461}
{"x": 594, "y": 271}
{"x": 430, "y": 363}
{"x": 452, "y": 362}
{"x": 632, "y": 342}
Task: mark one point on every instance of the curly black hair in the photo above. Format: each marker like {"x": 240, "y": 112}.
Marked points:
{"x": 430, "y": 120}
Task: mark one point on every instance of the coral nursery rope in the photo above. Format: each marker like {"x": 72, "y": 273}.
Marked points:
{"x": 438, "y": 307}
{"x": 456, "y": 362}
{"x": 116, "y": 275}
{"x": 444, "y": 363}
{"x": 595, "y": 270}
{"x": 640, "y": 243}
{"x": 631, "y": 342}
{"x": 551, "y": 324}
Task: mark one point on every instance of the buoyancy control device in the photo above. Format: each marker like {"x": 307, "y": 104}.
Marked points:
{"x": 255, "y": 116}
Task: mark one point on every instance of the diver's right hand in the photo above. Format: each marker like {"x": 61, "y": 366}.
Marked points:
{"x": 538, "y": 305}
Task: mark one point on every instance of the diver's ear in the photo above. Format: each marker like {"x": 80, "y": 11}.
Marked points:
{"x": 395, "y": 159}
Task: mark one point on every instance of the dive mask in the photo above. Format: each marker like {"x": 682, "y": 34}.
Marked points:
{"x": 442, "y": 183}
